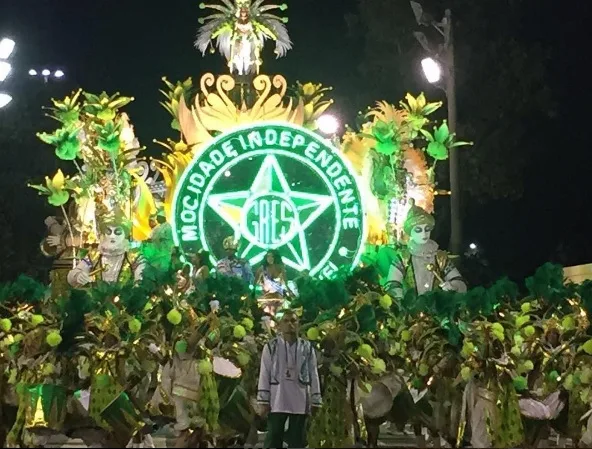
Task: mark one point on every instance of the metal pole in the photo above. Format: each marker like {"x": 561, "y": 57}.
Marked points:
{"x": 455, "y": 192}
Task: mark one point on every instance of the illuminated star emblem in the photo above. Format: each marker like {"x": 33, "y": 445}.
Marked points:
{"x": 270, "y": 215}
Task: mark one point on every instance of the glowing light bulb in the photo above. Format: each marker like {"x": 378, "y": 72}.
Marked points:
{"x": 6, "y": 48}
{"x": 431, "y": 70}
{"x": 58, "y": 74}
{"x": 5, "y": 69}
{"x": 46, "y": 72}
{"x": 328, "y": 124}
{"x": 4, "y": 99}
{"x": 33, "y": 72}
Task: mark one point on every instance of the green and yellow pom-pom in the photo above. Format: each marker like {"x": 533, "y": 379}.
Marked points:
{"x": 243, "y": 358}
{"x": 134, "y": 325}
{"x": 313, "y": 334}
{"x": 174, "y": 317}
{"x": 405, "y": 335}
{"x": 568, "y": 323}
{"x": 205, "y": 367}
{"x": 248, "y": 323}
{"x": 385, "y": 302}
{"x": 587, "y": 347}
{"x": 181, "y": 347}
{"x": 36, "y": 320}
{"x": 48, "y": 369}
{"x": 520, "y": 383}
{"x": 423, "y": 369}
{"x": 365, "y": 351}
{"x": 5, "y": 324}
{"x": 378, "y": 366}
{"x": 239, "y": 332}
{"x": 522, "y": 320}
{"x": 53, "y": 339}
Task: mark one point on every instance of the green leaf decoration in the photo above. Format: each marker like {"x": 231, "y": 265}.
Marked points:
{"x": 106, "y": 114}
{"x": 387, "y": 148}
{"x": 459, "y": 144}
{"x": 68, "y": 149}
{"x": 383, "y": 131}
{"x": 437, "y": 150}
{"x": 442, "y": 133}
{"x": 110, "y": 145}
{"x": 109, "y": 137}
{"x": 68, "y": 117}
{"x": 66, "y": 141}
{"x": 104, "y": 106}
{"x": 58, "y": 198}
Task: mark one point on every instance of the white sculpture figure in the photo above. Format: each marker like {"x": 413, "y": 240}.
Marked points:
{"x": 62, "y": 245}
{"x": 421, "y": 265}
{"x": 112, "y": 260}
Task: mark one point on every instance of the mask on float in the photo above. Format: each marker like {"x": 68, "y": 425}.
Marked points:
{"x": 114, "y": 238}
{"x": 418, "y": 225}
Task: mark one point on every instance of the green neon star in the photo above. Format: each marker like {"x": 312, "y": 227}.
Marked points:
{"x": 302, "y": 209}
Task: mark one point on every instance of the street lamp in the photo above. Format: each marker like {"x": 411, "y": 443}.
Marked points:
{"x": 328, "y": 124}
{"x": 4, "y": 99}
{"x": 432, "y": 66}
{"x": 5, "y": 69}
{"x": 6, "y": 48}
{"x": 431, "y": 70}
{"x": 46, "y": 74}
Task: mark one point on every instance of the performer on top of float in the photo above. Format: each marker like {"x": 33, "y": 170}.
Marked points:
{"x": 271, "y": 277}
{"x": 421, "y": 265}
{"x": 231, "y": 265}
{"x": 113, "y": 259}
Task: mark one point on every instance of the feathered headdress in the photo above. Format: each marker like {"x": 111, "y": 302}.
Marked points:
{"x": 221, "y": 24}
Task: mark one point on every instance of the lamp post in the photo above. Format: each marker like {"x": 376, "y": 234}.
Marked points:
{"x": 6, "y": 49}
{"x": 328, "y": 125}
{"x": 4, "y": 99}
{"x": 443, "y": 61}
{"x": 46, "y": 74}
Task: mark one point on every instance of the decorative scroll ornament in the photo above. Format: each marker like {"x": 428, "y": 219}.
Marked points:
{"x": 215, "y": 111}
{"x": 220, "y": 106}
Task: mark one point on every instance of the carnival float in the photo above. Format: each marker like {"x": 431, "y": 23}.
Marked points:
{"x": 169, "y": 274}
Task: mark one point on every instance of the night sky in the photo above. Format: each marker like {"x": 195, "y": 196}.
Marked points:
{"x": 128, "y": 45}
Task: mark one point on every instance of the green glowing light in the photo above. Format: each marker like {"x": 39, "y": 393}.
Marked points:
{"x": 272, "y": 186}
